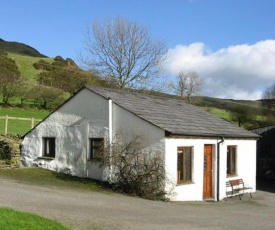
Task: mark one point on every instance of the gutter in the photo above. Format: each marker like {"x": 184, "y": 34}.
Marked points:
{"x": 214, "y": 136}
{"x": 218, "y": 167}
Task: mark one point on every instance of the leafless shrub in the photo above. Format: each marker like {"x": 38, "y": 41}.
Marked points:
{"x": 135, "y": 170}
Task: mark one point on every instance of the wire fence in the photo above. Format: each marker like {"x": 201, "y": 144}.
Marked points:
{"x": 16, "y": 125}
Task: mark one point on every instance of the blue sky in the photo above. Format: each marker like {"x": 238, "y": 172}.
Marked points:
{"x": 230, "y": 43}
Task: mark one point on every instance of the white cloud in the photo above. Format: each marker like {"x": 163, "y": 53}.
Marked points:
{"x": 238, "y": 72}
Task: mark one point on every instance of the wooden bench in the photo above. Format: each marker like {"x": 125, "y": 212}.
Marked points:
{"x": 237, "y": 188}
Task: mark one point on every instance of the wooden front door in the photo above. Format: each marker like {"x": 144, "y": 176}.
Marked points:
{"x": 207, "y": 174}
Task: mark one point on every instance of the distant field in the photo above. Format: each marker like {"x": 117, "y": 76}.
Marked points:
{"x": 25, "y": 64}
{"x": 19, "y": 126}
{"x": 26, "y": 113}
{"x": 218, "y": 112}
{"x": 222, "y": 113}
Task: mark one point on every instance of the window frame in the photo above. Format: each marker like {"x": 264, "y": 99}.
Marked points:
{"x": 184, "y": 180}
{"x": 93, "y": 148}
{"x": 48, "y": 147}
{"x": 231, "y": 161}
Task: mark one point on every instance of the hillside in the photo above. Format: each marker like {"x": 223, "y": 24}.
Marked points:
{"x": 228, "y": 104}
{"x": 28, "y": 61}
{"x": 19, "y": 48}
{"x": 25, "y": 65}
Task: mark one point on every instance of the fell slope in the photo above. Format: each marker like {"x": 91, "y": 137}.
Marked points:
{"x": 19, "y": 48}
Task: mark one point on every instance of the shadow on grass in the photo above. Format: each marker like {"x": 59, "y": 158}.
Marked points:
{"x": 93, "y": 184}
{"x": 44, "y": 177}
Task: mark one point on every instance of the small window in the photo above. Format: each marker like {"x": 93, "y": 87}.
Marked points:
{"x": 96, "y": 148}
{"x": 184, "y": 169}
{"x": 48, "y": 147}
{"x": 231, "y": 160}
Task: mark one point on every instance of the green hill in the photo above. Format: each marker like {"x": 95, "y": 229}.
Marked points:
{"x": 19, "y": 48}
{"x": 257, "y": 106}
{"x": 25, "y": 65}
{"x": 25, "y": 56}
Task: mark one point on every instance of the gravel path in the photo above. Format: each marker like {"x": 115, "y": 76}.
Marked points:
{"x": 92, "y": 210}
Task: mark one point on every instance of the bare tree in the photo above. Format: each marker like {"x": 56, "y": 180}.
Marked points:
{"x": 269, "y": 93}
{"x": 268, "y": 97}
{"x": 188, "y": 84}
{"x": 135, "y": 170}
{"x": 268, "y": 100}
{"x": 123, "y": 52}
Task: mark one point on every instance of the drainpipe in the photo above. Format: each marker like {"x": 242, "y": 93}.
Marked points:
{"x": 87, "y": 149}
{"x": 110, "y": 120}
{"x": 218, "y": 168}
{"x": 110, "y": 134}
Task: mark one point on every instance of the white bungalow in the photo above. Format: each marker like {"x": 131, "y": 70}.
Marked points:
{"x": 201, "y": 151}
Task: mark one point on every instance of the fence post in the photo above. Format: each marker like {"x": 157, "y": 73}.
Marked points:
{"x": 6, "y": 125}
{"x": 32, "y": 122}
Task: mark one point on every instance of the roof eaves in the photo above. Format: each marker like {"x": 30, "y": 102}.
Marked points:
{"x": 210, "y": 135}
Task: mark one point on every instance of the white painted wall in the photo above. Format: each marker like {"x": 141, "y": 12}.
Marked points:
{"x": 246, "y": 166}
{"x": 246, "y": 163}
{"x": 82, "y": 117}
{"x": 192, "y": 191}
{"x": 128, "y": 123}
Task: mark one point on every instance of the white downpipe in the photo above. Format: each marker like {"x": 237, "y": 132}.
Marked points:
{"x": 87, "y": 149}
{"x": 110, "y": 120}
{"x": 110, "y": 134}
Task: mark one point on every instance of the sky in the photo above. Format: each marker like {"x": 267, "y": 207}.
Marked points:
{"x": 229, "y": 43}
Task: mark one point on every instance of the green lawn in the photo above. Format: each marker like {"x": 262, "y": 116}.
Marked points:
{"x": 15, "y": 220}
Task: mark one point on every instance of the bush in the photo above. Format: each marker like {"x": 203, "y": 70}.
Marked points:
{"x": 134, "y": 170}
{"x": 5, "y": 151}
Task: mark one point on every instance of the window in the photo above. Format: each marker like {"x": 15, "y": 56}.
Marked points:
{"x": 48, "y": 146}
{"x": 231, "y": 160}
{"x": 96, "y": 147}
{"x": 184, "y": 164}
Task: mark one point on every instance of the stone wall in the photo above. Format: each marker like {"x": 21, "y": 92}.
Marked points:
{"x": 12, "y": 144}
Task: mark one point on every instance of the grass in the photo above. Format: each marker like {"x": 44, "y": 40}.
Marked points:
{"x": 16, "y": 127}
{"x": 12, "y": 220}
{"x": 19, "y": 126}
{"x": 24, "y": 112}
{"x": 218, "y": 112}
{"x": 43, "y": 177}
{"x": 226, "y": 114}
{"x": 25, "y": 64}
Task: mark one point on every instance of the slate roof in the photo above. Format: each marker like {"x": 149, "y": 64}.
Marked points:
{"x": 174, "y": 116}
{"x": 263, "y": 129}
